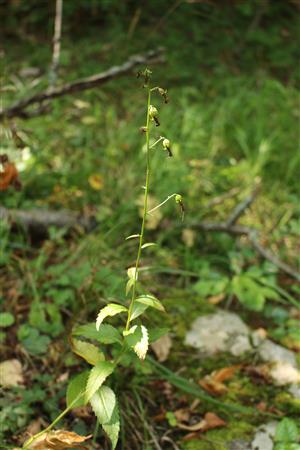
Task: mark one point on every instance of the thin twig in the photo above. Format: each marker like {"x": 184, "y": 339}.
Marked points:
{"x": 252, "y": 235}
{"x": 241, "y": 207}
{"x": 56, "y": 43}
{"x": 19, "y": 109}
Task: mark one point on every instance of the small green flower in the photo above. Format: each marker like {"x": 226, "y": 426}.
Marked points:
{"x": 167, "y": 146}
{"x": 153, "y": 113}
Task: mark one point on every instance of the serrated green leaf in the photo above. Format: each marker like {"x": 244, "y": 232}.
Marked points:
{"x": 109, "y": 310}
{"x": 286, "y": 431}
{"x": 97, "y": 376}
{"x": 141, "y": 347}
{"x": 150, "y": 300}
{"x": 107, "y": 334}
{"x": 76, "y": 387}
{"x": 103, "y": 403}
{"x": 87, "y": 351}
{"x": 133, "y": 335}
{"x": 137, "y": 310}
{"x": 112, "y": 428}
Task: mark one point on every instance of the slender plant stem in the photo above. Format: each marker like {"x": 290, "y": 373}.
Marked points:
{"x": 57, "y": 419}
{"x": 148, "y": 171}
{"x": 162, "y": 203}
{"x": 96, "y": 432}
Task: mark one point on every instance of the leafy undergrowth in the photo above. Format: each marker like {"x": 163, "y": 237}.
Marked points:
{"x": 233, "y": 124}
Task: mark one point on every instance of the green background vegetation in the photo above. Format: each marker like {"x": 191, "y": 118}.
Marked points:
{"x": 232, "y": 76}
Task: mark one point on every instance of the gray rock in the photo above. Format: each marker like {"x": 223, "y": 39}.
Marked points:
{"x": 294, "y": 390}
{"x": 220, "y": 332}
{"x": 273, "y": 353}
{"x": 240, "y": 444}
{"x": 226, "y": 332}
{"x": 263, "y": 439}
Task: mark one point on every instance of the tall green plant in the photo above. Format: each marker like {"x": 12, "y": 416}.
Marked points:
{"x": 91, "y": 385}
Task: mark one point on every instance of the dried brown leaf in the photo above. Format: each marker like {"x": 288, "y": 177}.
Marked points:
{"x": 59, "y": 440}
{"x": 209, "y": 422}
{"x": 213, "y": 383}
{"x": 11, "y": 373}
{"x": 162, "y": 348}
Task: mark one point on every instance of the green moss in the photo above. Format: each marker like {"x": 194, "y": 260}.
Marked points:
{"x": 285, "y": 401}
{"x": 220, "y": 439}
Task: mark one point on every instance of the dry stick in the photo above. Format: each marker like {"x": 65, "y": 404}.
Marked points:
{"x": 241, "y": 208}
{"x": 41, "y": 219}
{"x": 19, "y": 108}
{"x": 56, "y": 43}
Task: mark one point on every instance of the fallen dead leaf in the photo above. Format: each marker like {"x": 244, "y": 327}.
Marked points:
{"x": 209, "y": 422}
{"x": 11, "y": 373}
{"x": 188, "y": 237}
{"x": 213, "y": 383}
{"x": 215, "y": 299}
{"x": 59, "y": 440}
{"x": 182, "y": 415}
{"x": 162, "y": 348}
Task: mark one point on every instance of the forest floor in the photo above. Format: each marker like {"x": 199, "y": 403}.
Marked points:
{"x": 233, "y": 124}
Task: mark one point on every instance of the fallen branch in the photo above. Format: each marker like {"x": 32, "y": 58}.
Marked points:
{"x": 19, "y": 109}
{"x": 230, "y": 227}
{"x": 40, "y": 220}
{"x": 252, "y": 235}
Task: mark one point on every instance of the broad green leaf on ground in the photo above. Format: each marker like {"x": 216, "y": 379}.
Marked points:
{"x": 6, "y": 319}
{"x": 249, "y": 293}
{"x": 287, "y": 446}
{"x": 287, "y": 431}
{"x": 150, "y": 300}
{"x": 112, "y": 428}
{"x": 141, "y": 347}
{"x": 137, "y": 310}
{"x": 109, "y": 310}
{"x": 76, "y": 387}
{"x": 103, "y": 403}
{"x": 97, "y": 376}
{"x": 87, "y": 351}
{"x": 107, "y": 334}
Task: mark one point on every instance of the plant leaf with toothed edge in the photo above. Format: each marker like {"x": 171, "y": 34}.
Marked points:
{"x": 133, "y": 335}
{"x": 89, "y": 352}
{"x": 76, "y": 386}
{"x": 103, "y": 403}
{"x": 112, "y": 428}
{"x": 150, "y": 300}
{"x": 107, "y": 334}
{"x": 141, "y": 347}
{"x": 97, "y": 376}
{"x": 109, "y": 310}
